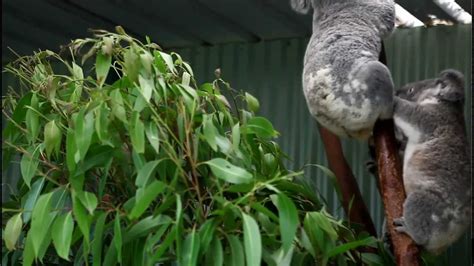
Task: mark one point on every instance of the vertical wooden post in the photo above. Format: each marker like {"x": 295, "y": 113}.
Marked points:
{"x": 391, "y": 187}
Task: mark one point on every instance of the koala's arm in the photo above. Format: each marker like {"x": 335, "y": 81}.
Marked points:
{"x": 410, "y": 116}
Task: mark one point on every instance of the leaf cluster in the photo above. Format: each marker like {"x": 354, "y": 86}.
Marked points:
{"x": 132, "y": 162}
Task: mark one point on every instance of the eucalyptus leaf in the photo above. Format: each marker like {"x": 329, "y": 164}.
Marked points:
{"x": 102, "y": 66}
{"x": 261, "y": 127}
{"x": 41, "y": 220}
{"x": 150, "y": 193}
{"x": 62, "y": 234}
{"x": 29, "y": 163}
{"x": 52, "y": 137}
{"x": 190, "y": 249}
{"x": 288, "y": 217}
{"x": 228, "y": 172}
{"x": 252, "y": 241}
{"x": 12, "y": 231}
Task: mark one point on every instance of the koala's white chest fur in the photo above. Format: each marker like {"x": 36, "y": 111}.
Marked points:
{"x": 409, "y": 176}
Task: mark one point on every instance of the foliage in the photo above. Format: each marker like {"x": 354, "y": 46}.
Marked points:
{"x": 132, "y": 162}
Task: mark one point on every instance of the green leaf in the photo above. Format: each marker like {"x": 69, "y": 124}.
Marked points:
{"x": 145, "y": 173}
{"x": 165, "y": 244}
{"x": 147, "y": 86}
{"x": 71, "y": 150}
{"x": 31, "y": 199}
{"x": 306, "y": 243}
{"x": 88, "y": 200}
{"x": 333, "y": 179}
{"x": 32, "y": 119}
{"x": 190, "y": 249}
{"x": 52, "y": 137}
{"x": 260, "y": 208}
{"x": 118, "y": 237}
{"x": 131, "y": 64}
{"x": 252, "y": 241}
{"x": 102, "y": 124}
{"x": 102, "y": 66}
{"x": 351, "y": 245}
{"x": 252, "y": 102}
{"x": 288, "y": 217}
{"x": 28, "y": 253}
{"x": 117, "y": 104}
{"x": 81, "y": 217}
{"x": 323, "y": 221}
{"x": 150, "y": 193}
{"x": 152, "y": 135}
{"x": 146, "y": 59}
{"x": 226, "y": 171}
{"x": 236, "y": 136}
{"x": 137, "y": 133}
{"x": 168, "y": 61}
{"x": 41, "y": 221}
{"x": 145, "y": 226}
{"x": 236, "y": 257}
{"x": 261, "y": 127}
{"x": 63, "y": 227}
{"x": 84, "y": 128}
{"x": 97, "y": 243}
{"x": 29, "y": 163}
{"x": 78, "y": 77}
{"x": 210, "y": 131}
{"x": 12, "y": 231}
{"x": 215, "y": 256}
{"x": 206, "y": 234}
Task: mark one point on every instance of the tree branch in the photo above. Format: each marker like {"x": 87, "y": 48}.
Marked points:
{"x": 393, "y": 192}
{"x": 391, "y": 187}
{"x": 352, "y": 201}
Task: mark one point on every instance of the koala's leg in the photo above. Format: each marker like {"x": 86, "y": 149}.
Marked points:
{"x": 379, "y": 88}
{"x": 419, "y": 212}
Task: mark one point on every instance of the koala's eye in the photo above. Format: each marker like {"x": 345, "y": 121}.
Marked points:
{"x": 411, "y": 90}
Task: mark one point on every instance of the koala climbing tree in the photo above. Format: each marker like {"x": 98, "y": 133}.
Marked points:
{"x": 436, "y": 165}
{"x": 349, "y": 91}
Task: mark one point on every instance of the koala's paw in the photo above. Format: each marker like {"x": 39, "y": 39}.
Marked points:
{"x": 399, "y": 224}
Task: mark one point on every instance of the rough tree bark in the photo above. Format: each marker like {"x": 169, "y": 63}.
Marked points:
{"x": 357, "y": 211}
{"x": 393, "y": 193}
{"x": 391, "y": 187}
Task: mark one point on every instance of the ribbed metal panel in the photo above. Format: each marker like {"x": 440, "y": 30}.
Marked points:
{"x": 272, "y": 72}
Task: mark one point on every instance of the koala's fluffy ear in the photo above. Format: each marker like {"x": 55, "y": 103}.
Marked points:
{"x": 301, "y": 6}
{"x": 454, "y": 92}
{"x": 453, "y": 76}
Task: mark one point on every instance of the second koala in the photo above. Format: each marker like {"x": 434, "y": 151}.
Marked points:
{"x": 436, "y": 165}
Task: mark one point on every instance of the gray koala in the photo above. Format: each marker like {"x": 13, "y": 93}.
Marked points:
{"x": 345, "y": 86}
{"x": 436, "y": 164}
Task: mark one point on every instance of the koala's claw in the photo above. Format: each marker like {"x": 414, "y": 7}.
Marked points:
{"x": 399, "y": 221}
{"x": 399, "y": 224}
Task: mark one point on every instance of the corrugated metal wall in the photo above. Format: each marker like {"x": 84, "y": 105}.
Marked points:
{"x": 272, "y": 72}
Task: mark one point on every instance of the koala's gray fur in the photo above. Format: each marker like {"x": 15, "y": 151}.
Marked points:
{"x": 436, "y": 164}
{"x": 346, "y": 88}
